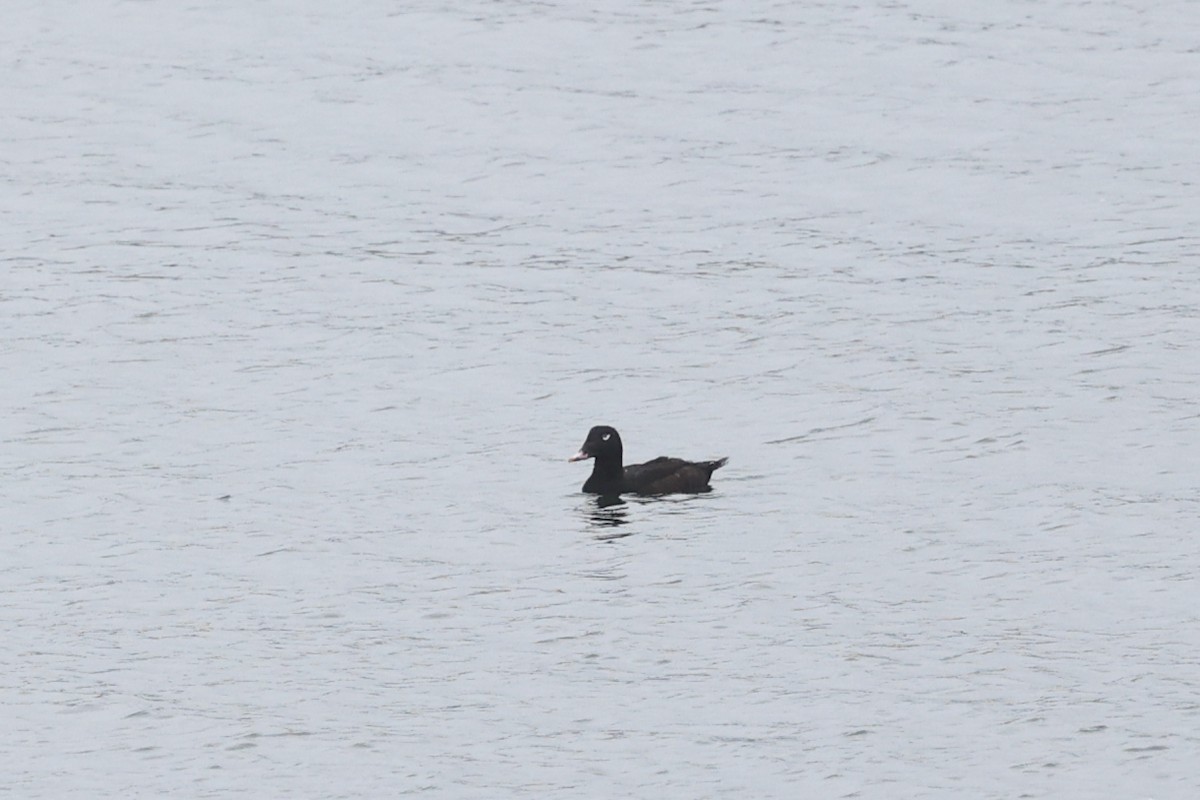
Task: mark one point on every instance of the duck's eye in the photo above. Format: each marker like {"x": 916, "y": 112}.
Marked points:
{"x": 606, "y": 436}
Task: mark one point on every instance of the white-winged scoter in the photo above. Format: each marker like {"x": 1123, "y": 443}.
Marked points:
{"x": 661, "y": 476}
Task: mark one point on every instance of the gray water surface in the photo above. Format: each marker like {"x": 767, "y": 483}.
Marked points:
{"x": 303, "y": 307}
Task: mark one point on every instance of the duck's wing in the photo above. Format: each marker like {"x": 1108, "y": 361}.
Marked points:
{"x": 666, "y": 475}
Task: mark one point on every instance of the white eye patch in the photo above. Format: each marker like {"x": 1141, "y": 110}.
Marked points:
{"x": 606, "y": 436}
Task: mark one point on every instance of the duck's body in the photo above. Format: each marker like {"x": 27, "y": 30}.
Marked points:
{"x": 663, "y": 475}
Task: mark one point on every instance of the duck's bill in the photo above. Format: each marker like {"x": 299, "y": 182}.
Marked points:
{"x": 580, "y": 456}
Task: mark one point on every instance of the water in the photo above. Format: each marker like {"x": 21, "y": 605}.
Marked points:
{"x": 304, "y": 309}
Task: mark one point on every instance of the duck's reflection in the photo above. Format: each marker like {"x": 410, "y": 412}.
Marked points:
{"x": 608, "y": 514}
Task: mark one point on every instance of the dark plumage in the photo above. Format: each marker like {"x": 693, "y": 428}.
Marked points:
{"x": 661, "y": 476}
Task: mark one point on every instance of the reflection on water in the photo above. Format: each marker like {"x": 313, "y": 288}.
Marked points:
{"x": 609, "y": 502}
{"x": 608, "y": 513}
{"x": 611, "y": 514}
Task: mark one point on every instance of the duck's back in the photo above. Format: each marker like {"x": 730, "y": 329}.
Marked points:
{"x": 666, "y": 475}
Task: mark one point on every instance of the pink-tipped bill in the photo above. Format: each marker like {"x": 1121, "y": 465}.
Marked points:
{"x": 580, "y": 456}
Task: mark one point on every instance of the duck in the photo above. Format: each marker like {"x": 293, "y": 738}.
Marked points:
{"x": 663, "y": 475}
